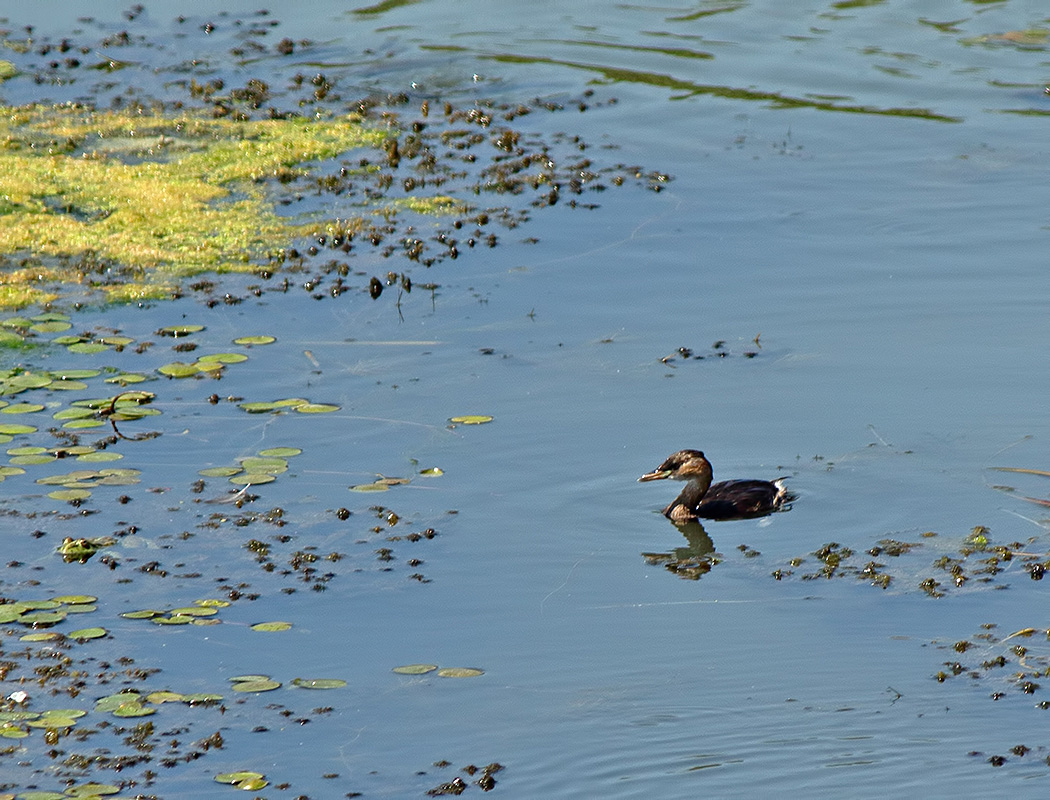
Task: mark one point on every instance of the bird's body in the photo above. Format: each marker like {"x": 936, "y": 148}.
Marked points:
{"x": 739, "y": 499}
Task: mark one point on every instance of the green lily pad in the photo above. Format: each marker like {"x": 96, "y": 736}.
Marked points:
{"x": 42, "y": 458}
{"x": 319, "y": 683}
{"x": 252, "y": 479}
{"x": 180, "y": 619}
{"x": 66, "y": 495}
{"x": 248, "y": 781}
{"x": 6, "y": 471}
{"x": 259, "y": 407}
{"x": 271, "y": 627}
{"x": 415, "y": 669}
{"x": 178, "y": 369}
{"x": 15, "y": 430}
{"x": 194, "y": 611}
{"x": 124, "y": 378}
{"x": 147, "y": 613}
{"x": 212, "y": 602}
{"x": 73, "y": 413}
{"x": 472, "y": 419}
{"x": 223, "y": 358}
{"x": 316, "y": 408}
{"x": 88, "y": 633}
{"x": 114, "y": 701}
{"x": 75, "y": 374}
{"x": 238, "y": 678}
{"x": 92, "y": 790}
{"x": 133, "y": 710}
{"x": 254, "y": 340}
{"x": 273, "y": 466}
{"x": 281, "y": 452}
{"x": 50, "y": 327}
{"x": 165, "y": 697}
{"x": 371, "y": 487}
{"x": 50, "y": 636}
{"x": 253, "y": 687}
{"x": 83, "y": 424}
{"x": 87, "y": 348}
{"x": 75, "y": 599}
{"x": 68, "y": 386}
{"x": 26, "y": 451}
{"x": 100, "y": 456}
{"x": 433, "y": 472}
{"x": 219, "y": 472}
{"x": 42, "y": 619}
{"x": 180, "y": 330}
{"x": 460, "y": 672}
{"x": 22, "y": 408}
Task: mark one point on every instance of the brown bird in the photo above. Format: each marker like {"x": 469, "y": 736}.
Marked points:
{"x": 724, "y": 500}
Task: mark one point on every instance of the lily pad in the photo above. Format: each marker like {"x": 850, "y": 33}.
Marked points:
{"x": 371, "y": 487}
{"x": 87, "y": 348}
{"x": 281, "y": 452}
{"x": 433, "y": 472}
{"x": 66, "y": 495}
{"x": 319, "y": 683}
{"x": 75, "y": 599}
{"x": 460, "y": 672}
{"x": 223, "y": 358}
{"x": 254, "y": 340}
{"x": 133, "y": 710}
{"x": 316, "y": 408}
{"x": 176, "y": 331}
{"x": 272, "y": 627}
{"x": 219, "y": 472}
{"x": 178, "y": 369}
{"x": 252, "y": 687}
{"x": 472, "y": 419}
{"x": 88, "y": 633}
{"x": 22, "y": 408}
{"x": 15, "y": 430}
{"x": 415, "y": 669}
{"x": 252, "y": 479}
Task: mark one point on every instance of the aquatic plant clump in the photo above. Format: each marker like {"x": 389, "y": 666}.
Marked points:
{"x": 151, "y": 197}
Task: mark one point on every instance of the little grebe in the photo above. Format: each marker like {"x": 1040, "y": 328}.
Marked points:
{"x": 724, "y": 500}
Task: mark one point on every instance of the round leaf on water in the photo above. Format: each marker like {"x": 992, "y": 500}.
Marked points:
{"x": 272, "y": 627}
{"x": 415, "y": 669}
{"x": 83, "y": 424}
{"x": 212, "y": 602}
{"x": 256, "y": 686}
{"x": 472, "y": 419}
{"x": 18, "y": 733}
{"x": 252, "y": 340}
{"x": 316, "y": 408}
{"x": 281, "y": 452}
{"x": 252, "y": 479}
{"x": 201, "y": 697}
{"x": 50, "y": 327}
{"x": 370, "y": 487}
{"x": 9, "y": 613}
{"x": 117, "y": 341}
{"x": 219, "y": 472}
{"x": 273, "y": 466}
{"x": 234, "y": 778}
{"x": 75, "y": 374}
{"x": 177, "y": 620}
{"x": 92, "y": 790}
{"x": 73, "y": 413}
{"x": 291, "y": 402}
{"x": 22, "y": 408}
{"x": 147, "y": 613}
{"x": 259, "y": 408}
{"x": 66, "y": 495}
{"x": 180, "y": 330}
{"x": 51, "y": 722}
{"x": 113, "y": 701}
{"x": 81, "y": 608}
{"x": 42, "y": 619}
{"x": 178, "y": 369}
{"x": 165, "y": 697}
{"x": 237, "y": 678}
{"x": 433, "y": 472}
{"x": 460, "y": 672}
{"x": 26, "y": 451}
{"x": 133, "y": 710}
{"x": 127, "y": 377}
{"x": 319, "y": 683}
{"x": 75, "y": 599}
{"x": 87, "y": 348}
{"x": 100, "y": 456}
{"x": 39, "y": 605}
{"x": 15, "y": 430}
{"x": 42, "y": 458}
{"x": 41, "y": 637}
{"x": 194, "y": 611}
{"x": 88, "y": 633}
{"x": 5, "y": 471}
{"x": 223, "y": 358}
{"x": 68, "y": 386}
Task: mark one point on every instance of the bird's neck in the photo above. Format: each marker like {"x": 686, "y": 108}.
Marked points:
{"x": 691, "y": 495}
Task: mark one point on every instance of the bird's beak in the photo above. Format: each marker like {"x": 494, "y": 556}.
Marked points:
{"x": 658, "y": 475}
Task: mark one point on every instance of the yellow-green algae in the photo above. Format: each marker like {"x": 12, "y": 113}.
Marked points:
{"x": 158, "y": 196}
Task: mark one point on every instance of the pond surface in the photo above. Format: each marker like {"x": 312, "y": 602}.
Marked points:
{"x": 854, "y": 237}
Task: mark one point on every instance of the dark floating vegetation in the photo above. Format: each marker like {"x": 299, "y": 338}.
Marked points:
{"x": 286, "y": 184}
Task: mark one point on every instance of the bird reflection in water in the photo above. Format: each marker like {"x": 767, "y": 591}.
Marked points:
{"x": 694, "y": 560}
